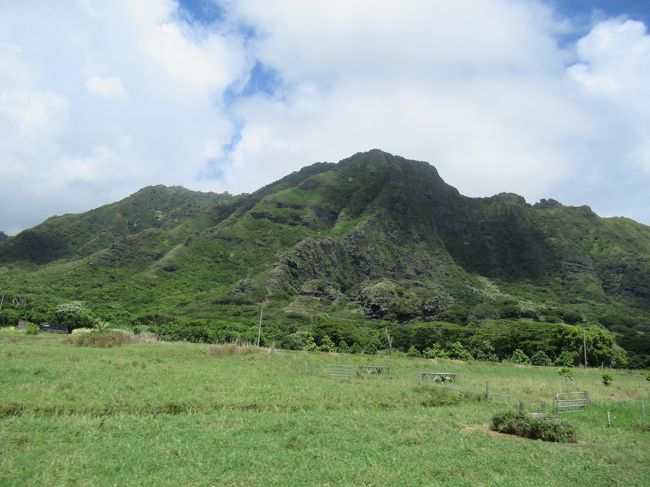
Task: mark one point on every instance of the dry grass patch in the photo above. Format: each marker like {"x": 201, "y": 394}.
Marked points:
{"x": 236, "y": 349}
{"x": 106, "y": 339}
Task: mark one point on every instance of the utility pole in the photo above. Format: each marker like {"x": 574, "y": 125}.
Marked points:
{"x": 584, "y": 344}
{"x": 259, "y": 331}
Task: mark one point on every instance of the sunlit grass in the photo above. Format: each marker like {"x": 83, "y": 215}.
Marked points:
{"x": 185, "y": 414}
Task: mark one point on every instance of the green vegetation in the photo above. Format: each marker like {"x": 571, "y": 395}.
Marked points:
{"x": 513, "y": 423}
{"x": 181, "y": 413}
{"x": 607, "y": 378}
{"x": 373, "y": 242}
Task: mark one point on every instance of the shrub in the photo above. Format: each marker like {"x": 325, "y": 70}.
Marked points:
{"x": 73, "y": 315}
{"x": 356, "y": 348}
{"x": 570, "y": 316}
{"x": 32, "y": 329}
{"x": 435, "y": 351}
{"x": 540, "y": 358}
{"x": 370, "y": 348}
{"x": 102, "y": 326}
{"x": 459, "y": 352}
{"x": 607, "y": 378}
{"x": 537, "y": 429}
{"x": 343, "y": 347}
{"x": 110, "y": 338}
{"x": 565, "y": 359}
{"x": 519, "y": 357}
{"x": 310, "y": 345}
{"x": 485, "y": 351}
{"x": 297, "y": 340}
{"x": 326, "y": 344}
{"x": 565, "y": 372}
{"x": 413, "y": 352}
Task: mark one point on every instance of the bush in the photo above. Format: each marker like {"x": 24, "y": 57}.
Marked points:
{"x": 435, "y": 351}
{"x": 310, "y": 345}
{"x": 327, "y": 345}
{"x": 565, "y": 359}
{"x": 459, "y": 352}
{"x": 110, "y": 338}
{"x": 72, "y": 315}
{"x": 297, "y": 340}
{"x": 565, "y": 372}
{"x": 413, "y": 352}
{"x": 607, "y": 378}
{"x": 485, "y": 351}
{"x": 356, "y": 348}
{"x": 343, "y": 347}
{"x": 537, "y": 429}
{"x": 540, "y": 358}
{"x": 519, "y": 357}
{"x": 32, "y": 329}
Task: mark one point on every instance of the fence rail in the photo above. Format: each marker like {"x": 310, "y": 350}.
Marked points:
{"x": 341, "y": 371}
{"x": 570, "y": 402}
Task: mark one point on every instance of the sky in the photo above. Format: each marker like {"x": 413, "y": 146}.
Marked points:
{"x": 99, "y": 98}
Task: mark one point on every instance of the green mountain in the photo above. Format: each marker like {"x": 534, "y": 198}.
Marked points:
{"x": 374, "y": 237}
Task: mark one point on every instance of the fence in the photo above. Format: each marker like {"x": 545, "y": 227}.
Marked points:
{"x": 341, "y": 371}
{"x": 570, "y": 402}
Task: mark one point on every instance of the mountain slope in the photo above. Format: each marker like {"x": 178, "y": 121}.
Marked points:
{"x": 374, "y": 236}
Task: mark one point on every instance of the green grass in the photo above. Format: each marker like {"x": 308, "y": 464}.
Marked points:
{"x": 184, "y": 414}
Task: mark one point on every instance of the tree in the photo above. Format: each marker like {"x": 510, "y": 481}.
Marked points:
{"x": 540, "y": 358}
{"x": 326, "y": 344}
{"x": 435, "y": 351}
{"x": 485, "y": 351}
{"x": 72, "y": 315}
{"x": 413, "y": 352}
{"x": 459, "y": 352}
{"x": 519, "y": 357}
{"x": 565, "y": 359}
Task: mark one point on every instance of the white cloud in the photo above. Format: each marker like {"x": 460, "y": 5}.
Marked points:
{"x": 111, "y": 87}
{"x": 479, "y": 88}
{"x": 132, "y": 94}
{"x": 65, "y": 144}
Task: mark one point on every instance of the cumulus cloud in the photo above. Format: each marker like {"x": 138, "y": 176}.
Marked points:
{"x": 500, "y": 95}
{"x": 98, "y": 99}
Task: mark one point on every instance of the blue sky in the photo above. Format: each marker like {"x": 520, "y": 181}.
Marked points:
{"x": 546, "y": 99}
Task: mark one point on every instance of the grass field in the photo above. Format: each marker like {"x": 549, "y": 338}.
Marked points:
{"x": 184, "y": 414}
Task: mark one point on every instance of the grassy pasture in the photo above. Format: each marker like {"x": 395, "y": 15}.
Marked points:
{"x": 184, "y": 414}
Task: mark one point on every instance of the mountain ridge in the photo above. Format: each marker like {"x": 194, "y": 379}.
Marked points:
{"x": 375, "y": 236}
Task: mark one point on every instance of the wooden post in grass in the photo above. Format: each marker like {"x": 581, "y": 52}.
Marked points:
{"x": 390, "y": 340}
{"x": 609, "y": 419}
{"x": 643, "y": 412}
{"x": 259, "y": 331}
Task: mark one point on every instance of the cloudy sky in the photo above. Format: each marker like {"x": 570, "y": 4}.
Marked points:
{"x": 99, "y": 98}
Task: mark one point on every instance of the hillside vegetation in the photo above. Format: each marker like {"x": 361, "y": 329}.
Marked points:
{"x": 375, "y": 243}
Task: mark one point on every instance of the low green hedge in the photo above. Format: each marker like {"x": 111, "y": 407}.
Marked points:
{"x": 514, "y": 423}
